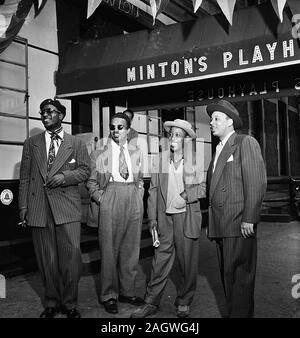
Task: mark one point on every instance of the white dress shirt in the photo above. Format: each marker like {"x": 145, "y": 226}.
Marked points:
{"x": 115, "y": 163}
{"x": 220, "y": 147}
{"x": 57, "y": 143}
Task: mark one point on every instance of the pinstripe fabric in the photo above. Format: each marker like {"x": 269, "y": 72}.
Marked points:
{"x": 55, "y": 214}
{"x": 236, "y": 188}
{"x": 64, "y": 201}
{"x": 236, "y": 191}
{"x": 58, "y": 254}
{"x": 237, "y": 262}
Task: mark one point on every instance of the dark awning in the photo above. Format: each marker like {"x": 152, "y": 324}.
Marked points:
{"x": 188, "y": 51}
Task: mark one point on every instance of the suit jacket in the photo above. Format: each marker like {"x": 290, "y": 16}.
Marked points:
{"x": 237, "y": 186}
{"x": 101, "y": 168}
{"x": 72, "y": 161}
{"x": 194, "y": 187}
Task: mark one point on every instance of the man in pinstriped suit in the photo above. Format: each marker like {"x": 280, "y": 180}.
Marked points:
{"x": 237, "y": 183}
{"x": 53, "y": 164}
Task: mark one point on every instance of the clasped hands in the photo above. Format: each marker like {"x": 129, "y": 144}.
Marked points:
{"x": 55, "y": 181}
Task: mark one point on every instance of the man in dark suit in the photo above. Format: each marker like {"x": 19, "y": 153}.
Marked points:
{"x": 133, "y": 135}
{"x": 174, "y": 209}
{"x": 116, "y": 185}
{"x": 237, "y": 184}
{"x": 53, "y": 164}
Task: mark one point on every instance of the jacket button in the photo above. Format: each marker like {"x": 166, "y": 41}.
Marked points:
{"x": 33, "y": 194}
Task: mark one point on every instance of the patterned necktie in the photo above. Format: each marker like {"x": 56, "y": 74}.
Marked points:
{"x": 51, "y": 154}
{"x": 123, "y": 168}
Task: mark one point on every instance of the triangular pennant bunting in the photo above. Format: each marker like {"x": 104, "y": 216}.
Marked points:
{"x": 197, "y": 4}
{"x": 278, "y": 6}
{"x": 92, "y": 6}
{"x": 157, "y": 6}
{"x": 227, "y": 7}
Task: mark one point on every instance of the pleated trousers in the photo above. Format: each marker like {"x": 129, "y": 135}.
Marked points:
{"x": 120, "y": 225}
{"x": 57, "y": 249}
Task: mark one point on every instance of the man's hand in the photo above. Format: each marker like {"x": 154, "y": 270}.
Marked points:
{"x": 56, "y": 181}
{"x": 247, "y": 229}
{"x": 23, "y": 217}
{"x": 152, "y": 224}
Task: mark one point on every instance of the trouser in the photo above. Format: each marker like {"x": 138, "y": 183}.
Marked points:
{"x": 57, "y": 249}
{"x": 237, "y": 262}
{"x": 172, "y": 242}
{"x": 120, "y": 225}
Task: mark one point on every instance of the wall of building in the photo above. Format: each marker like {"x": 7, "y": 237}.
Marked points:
{"x": 42, "y": 54}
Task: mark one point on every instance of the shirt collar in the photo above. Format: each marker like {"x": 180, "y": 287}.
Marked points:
{"x": 60, "y": 134}
{"x": 223, "y": 142}
{"x": 116, "y": 146}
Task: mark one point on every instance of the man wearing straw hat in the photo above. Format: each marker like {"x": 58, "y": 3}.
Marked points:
{"x": 174, "y": 209}
{"x": 237, "y": 184}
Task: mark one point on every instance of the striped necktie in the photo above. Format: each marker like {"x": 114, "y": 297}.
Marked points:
{"x": 123, "y": 168}
{"x": 51, "y": 154}
{"x": 218, "y": 151}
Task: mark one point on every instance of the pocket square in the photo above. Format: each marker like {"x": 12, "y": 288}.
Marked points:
{"x": 230, "y": 158}
{"x": 72, "y": 161}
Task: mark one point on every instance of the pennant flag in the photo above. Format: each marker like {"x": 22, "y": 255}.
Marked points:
{"x": 227, "y": 7}
{"x": 197, "y": 4}
{"x": 12, "y": 17}
{"x": 157, "y": 6}
{"x": 38, "y": 6}
{"x": 92, "y": 6}
{"x": 278, "y": 6}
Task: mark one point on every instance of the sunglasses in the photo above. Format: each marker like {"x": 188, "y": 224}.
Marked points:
{"x": 119, "y": 127}
{"x": 48, "y": 111}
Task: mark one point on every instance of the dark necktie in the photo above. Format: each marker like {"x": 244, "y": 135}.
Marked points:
{"x": 123, "y": 168}
{"x": 51, "y": 154}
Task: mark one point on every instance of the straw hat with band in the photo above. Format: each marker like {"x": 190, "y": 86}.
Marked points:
{"x": 185, "y": 125}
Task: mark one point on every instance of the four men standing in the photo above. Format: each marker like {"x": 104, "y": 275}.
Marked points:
{"x": 54, "y": 163}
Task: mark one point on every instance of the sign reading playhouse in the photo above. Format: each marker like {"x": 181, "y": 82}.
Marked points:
{"x": 214, "y": 61}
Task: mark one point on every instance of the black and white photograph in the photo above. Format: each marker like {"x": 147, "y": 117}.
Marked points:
{"x": 149, "y": 163}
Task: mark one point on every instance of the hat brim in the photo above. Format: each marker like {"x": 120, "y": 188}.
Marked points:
{"x": 237, "y": 122}
{"x": 189, "y": 131}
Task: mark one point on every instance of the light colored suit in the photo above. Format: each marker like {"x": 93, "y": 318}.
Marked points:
{"x": 236, "y": 191}
{"x": 179, "y": 233}
{"x": 117, "y": 208}
{"x": 55, "y": 214}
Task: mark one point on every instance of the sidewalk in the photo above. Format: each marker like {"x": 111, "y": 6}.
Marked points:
{"x": 278, "y": 261}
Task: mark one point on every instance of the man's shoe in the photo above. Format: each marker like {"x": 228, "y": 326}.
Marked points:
{"x": 49, "y": 312}
{"x": 183, "y": 311}
{"x": 131, "y": 300}
{"x": 144, "y": 311}
{"x": 70, "y": 313}
{"x": 111, "y": 306}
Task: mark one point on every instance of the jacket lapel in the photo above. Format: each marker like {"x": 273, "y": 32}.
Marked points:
{"x": 228, "y": 150}
{"x": 39, "y": 151}
{"x": 163, "y": 175}
{"x": 64, "y": 151}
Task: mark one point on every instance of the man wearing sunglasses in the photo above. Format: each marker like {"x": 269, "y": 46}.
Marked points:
{"x": 53, "y": 164}
{"x": 177, "y": 184}
{"x": 116, "y": 185}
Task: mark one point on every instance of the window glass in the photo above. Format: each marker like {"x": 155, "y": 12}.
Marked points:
{"x": 12, "y": 155}
{"x": 12, "y": 102}
{"x": 12, "y": 129}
